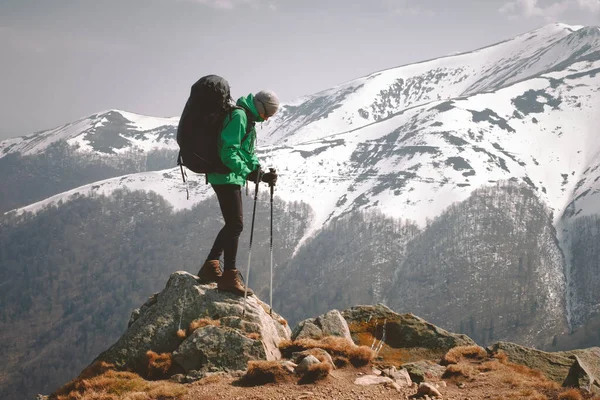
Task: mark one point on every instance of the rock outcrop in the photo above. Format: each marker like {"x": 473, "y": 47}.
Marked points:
{"x": 226, "y": 341}
{"x": 329, "y": 324}
{"x": 400, "y": 338}
{"x": 575, "y": 368}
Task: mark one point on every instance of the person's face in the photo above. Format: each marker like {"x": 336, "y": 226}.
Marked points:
{"x": 264, "y": 115}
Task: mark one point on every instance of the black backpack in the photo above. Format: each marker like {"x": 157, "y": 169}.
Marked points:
{"x": 201, "y": 124}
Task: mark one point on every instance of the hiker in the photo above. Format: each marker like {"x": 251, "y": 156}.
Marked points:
{"x": 236, "y": 151}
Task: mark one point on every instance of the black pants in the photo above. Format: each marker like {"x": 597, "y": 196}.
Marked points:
{"x": 230, "y": 200}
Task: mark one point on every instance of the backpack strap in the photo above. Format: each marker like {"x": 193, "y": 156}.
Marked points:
{"x": 250, "y": 124}
{"x": 183, "y": 174}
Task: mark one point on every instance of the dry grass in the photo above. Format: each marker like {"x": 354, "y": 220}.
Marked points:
{"x": 501, "y": 357}
{"x": 571, "y": 394}
{"x": 253, "y": 336}
{"x": 459, "y": 371}
{"x": 488, "y": 366}
{"x": 456, "y": 354}
{"x": 336, "y": 346}
{"x": 316, "y": 372}
{"x": 525, "y": 394}
{"x": 201, "y": 323}
{"x": 319, "y": 356}
{"x": 263, "y": 372}
{"x": 101, "y": 382}
{"x": 210, "y": 379}
{"x": 341, "y": 362}
{"x": 181, "y": 334}
{"x": 282, "y": 321}
{"x": 158, "y": 364}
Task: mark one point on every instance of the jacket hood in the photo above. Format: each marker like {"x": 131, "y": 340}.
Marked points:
{"x": 248, "y": 103}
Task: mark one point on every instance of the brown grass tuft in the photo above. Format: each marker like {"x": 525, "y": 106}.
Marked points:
{"x": 117, "y": 385}
{"x": 571, "y": 394}
{"x": 489, "y": 366}
{"x": 526, "y": 371}
{"x": 459, "y": 371}
{"x": 334, "y": 345}
{"x": 528, "y": 394}
{"x": 341, "y": 362}
{"x": 501, "y": 356}
{"x": 202, "y": 322}
{"x": 158, "y": 364}
{"x": 181, "y": 334}
{"x": 253, "y": 336}
{"x": 454, "y": 355}
{"x": 361, "y": 355}
{"x": 210, "y": 379}
{"x": 263, "y": 372}
{"x": 316, "y": 372}
{"x": 282, "y": 321}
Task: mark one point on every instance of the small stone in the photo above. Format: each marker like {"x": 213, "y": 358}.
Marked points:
{"x": 376, "y": 371}
{"x": 460, "y": 385}
{"x": 289, "y": 366}
{"x": 427, "y": 389}
{"x": 392, "y": 385}
{"x": 306, "y": 363}
{"x": 317, "y": 352}
{"x": 368, "y": 380}
{"x": 401, "y": 377}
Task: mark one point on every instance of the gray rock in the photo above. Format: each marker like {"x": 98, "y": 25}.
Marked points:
{"x": 333, "y": 324}
{"x": 420, "y": 371}
{"x": 154, "y": 327}
{"x": 368, "y": 380}
{"x": 223, "y": 348}
{"x": 329, "y": 324}
{"x": 307, "y": 329}
{"x": 306, "y": 363}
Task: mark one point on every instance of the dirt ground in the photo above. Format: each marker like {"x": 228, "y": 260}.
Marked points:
{"x": 497, "y": 384}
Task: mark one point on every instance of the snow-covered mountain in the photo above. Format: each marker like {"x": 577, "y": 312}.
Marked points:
{"x": 107, "y": 132}
{"x": 409, "y": 141}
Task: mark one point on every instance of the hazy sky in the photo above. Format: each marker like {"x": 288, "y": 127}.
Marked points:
{"x": 64, "y": 59}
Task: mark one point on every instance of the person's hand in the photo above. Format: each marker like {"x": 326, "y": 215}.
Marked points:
{"x": 254, "y": 175}
{"x": 270, "y": 177}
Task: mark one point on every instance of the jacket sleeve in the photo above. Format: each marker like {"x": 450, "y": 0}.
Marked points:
{"x": 231, "y": 137}
{"x": 254, "y": 159}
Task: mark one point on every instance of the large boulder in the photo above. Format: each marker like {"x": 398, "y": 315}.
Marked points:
{"x": 329, "y": 324}
{"x": 229, "y": 343}
{"x": 400, "y": 338}
{"x": 576, "y": 368}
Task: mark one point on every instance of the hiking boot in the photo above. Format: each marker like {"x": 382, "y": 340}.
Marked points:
{"x": 210, "y": 272}
{"x": 231, "y": 281}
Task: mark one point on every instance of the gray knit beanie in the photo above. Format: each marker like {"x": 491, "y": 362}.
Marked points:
{"x": 266, "y": 103}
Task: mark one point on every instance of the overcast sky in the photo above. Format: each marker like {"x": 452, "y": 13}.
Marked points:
{"x": 64, "y": 59}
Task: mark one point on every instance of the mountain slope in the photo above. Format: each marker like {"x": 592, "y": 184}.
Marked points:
{"x": 380, "y": 95}
{"x": 109, "y": 132}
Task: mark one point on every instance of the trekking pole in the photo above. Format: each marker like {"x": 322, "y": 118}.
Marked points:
{"x": 272, "y": 187}
{"x": 250, "y": 247}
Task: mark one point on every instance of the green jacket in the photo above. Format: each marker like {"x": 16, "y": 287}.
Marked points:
{"x": 238, "y": 157}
